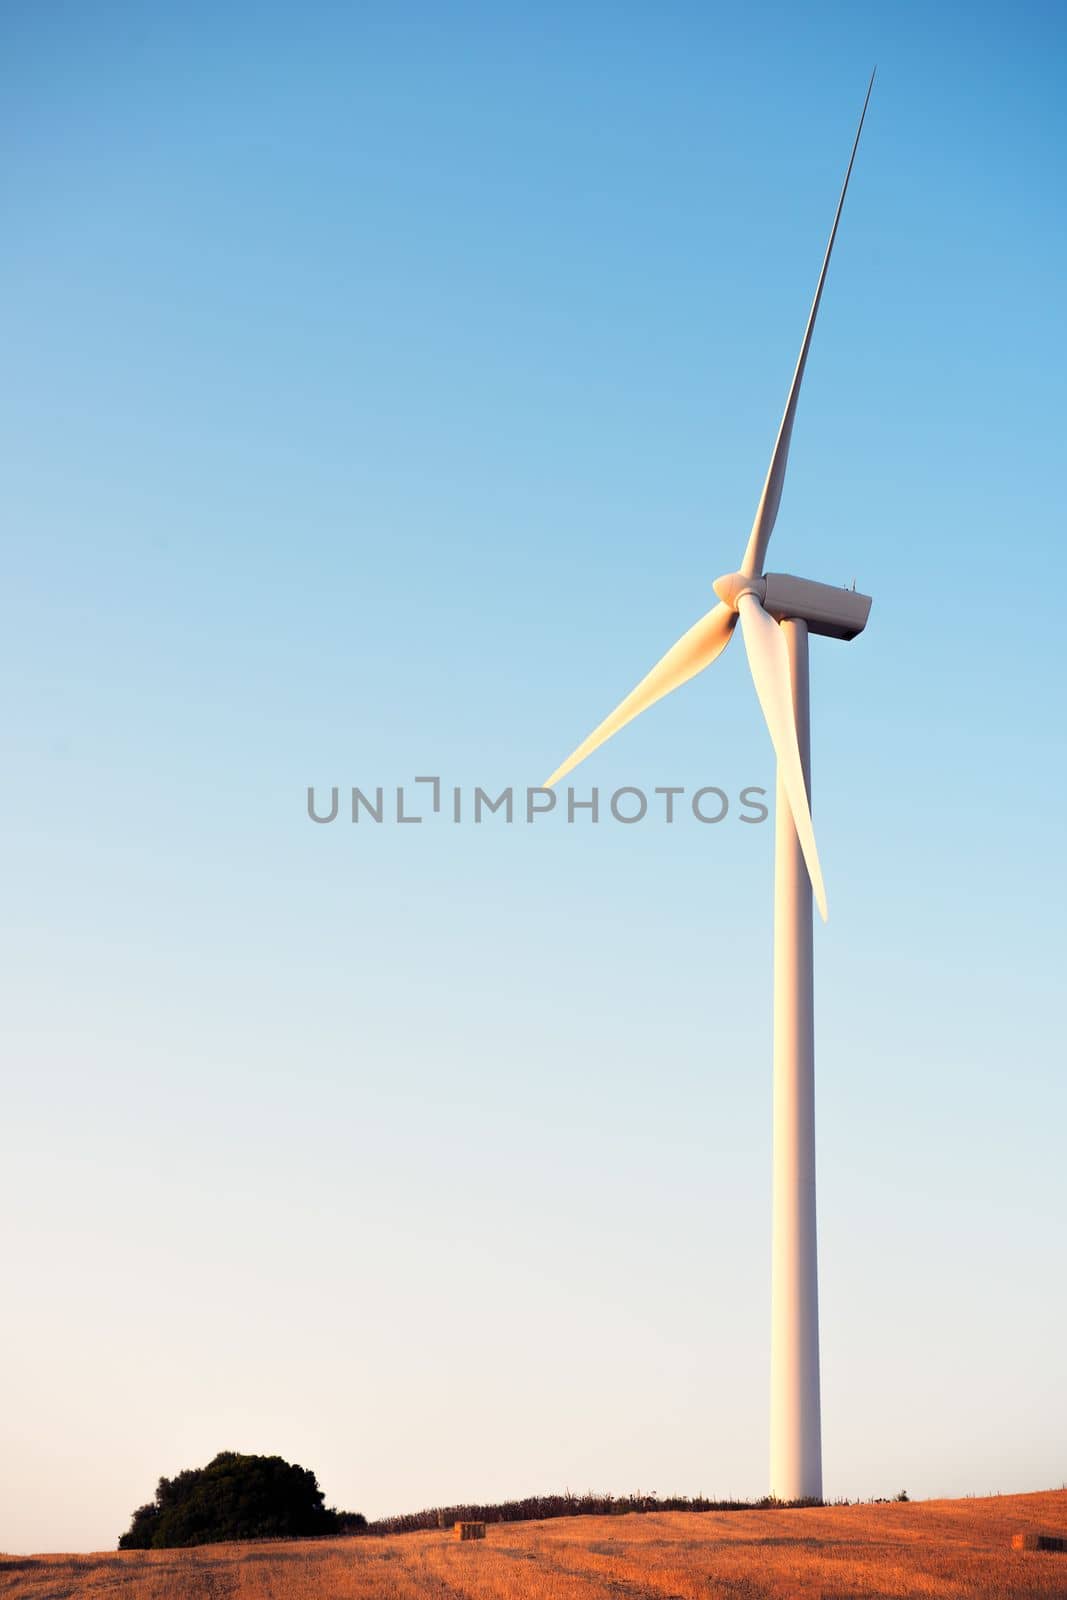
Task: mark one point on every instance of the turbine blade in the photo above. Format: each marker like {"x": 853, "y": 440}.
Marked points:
{"x": 694, "y": 651}
{"x": 768, "y": 660}
{"x": 767, "y": 510}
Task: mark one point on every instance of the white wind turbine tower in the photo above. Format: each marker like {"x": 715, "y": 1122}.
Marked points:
{"x": 777, "y": 614}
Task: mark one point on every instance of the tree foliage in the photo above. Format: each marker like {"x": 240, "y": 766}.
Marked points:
{"x": 235, "y": 1497}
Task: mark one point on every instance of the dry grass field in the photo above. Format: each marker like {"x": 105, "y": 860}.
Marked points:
{"x": 956, "y": 1549}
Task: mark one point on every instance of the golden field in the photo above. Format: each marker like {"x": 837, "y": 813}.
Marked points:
{"x": 956, "y": 1549}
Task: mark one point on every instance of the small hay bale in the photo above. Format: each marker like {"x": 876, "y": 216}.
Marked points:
{"x": 1038, "y": 1541}
{"x": 470, "y": 1530}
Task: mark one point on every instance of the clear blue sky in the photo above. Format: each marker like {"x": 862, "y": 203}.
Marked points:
{"x": 384, "y": 386}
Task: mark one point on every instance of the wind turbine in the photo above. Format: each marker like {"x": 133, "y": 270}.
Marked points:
{"x": 777, "y": 613}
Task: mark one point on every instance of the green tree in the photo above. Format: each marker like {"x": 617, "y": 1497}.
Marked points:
{"x": 235, "y": 1497}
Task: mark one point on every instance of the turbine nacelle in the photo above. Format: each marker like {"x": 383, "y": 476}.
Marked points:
{"x": 835, "y": 613}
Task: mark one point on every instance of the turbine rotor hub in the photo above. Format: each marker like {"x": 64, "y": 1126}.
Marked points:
{"x": 731, "y": 587}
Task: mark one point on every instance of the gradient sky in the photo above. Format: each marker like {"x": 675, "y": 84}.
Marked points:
{"x": 384, "y": 387}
